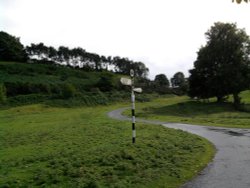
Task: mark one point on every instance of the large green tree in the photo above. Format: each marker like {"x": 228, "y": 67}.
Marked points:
{"x": 178, "y": 80}
{"x": 40, "y": 51}
{"x": 124, "y": 65}
{"x": 179, "y": 83}
{"x": 222, "y": 65}
{"x": 11, "y": 48}
{"x": 161, "y": 84}
{"x": 161, "y": 80}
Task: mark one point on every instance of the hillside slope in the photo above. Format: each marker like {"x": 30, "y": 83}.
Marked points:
{"x": 36, "y": 82}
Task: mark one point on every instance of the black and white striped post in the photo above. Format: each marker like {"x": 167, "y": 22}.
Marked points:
{"x": 130, "y": 82}
{"x": 133, "y": 106}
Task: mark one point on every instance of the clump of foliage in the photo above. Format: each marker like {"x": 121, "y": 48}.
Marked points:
{"x": 239, "y": 1}
{"x": 105, "y": 83}
{"x": 11, "y": 49}
{"x": 68, "y": 91}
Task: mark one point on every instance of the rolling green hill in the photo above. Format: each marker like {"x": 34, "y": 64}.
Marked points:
{"x": 29, "y": 82}
{"x": 13, "y": 72}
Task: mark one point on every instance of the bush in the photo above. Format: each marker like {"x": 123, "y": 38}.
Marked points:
{"x": 68, "y": 91}
{"x": 24, "y": 88}
{"x": 27, "y": 99}
{"x": 105, "y": 83}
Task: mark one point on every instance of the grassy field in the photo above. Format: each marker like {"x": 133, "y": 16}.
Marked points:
{"x": 44, "y": 146}
{"x": 184, "y": 110}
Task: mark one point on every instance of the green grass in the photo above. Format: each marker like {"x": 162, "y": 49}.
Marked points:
{"x": 184, "y": 110}
{"x": 44, "y": 146}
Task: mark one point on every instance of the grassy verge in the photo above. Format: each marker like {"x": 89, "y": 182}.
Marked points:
{"x": 44, "y": 146}
{"x": 184, "y": 110}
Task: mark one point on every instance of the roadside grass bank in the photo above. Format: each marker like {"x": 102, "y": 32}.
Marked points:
{"x": 184, "y": 110}
{"x": 45, "y": 146}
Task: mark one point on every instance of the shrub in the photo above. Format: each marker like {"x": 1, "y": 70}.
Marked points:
{"x": 105, "y": 83}
{"x": 27, "y": 99}
{"x": 68, "y": 91}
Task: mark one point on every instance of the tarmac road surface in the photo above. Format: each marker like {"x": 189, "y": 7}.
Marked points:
{"x": 230, "y": 167}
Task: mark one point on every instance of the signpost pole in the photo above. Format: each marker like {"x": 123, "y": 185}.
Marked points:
{"x": 133, "y": 106}
{"x": 130, "y": 82}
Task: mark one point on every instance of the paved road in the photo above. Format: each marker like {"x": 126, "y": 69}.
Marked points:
{"x": 230, "y": 167}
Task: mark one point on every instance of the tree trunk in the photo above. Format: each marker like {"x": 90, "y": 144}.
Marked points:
{"x": 237, "y": 99}
{"x": 219, "y": 99}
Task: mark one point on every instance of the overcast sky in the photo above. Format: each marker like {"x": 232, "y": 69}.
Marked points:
{"x": 163, "y": 34}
